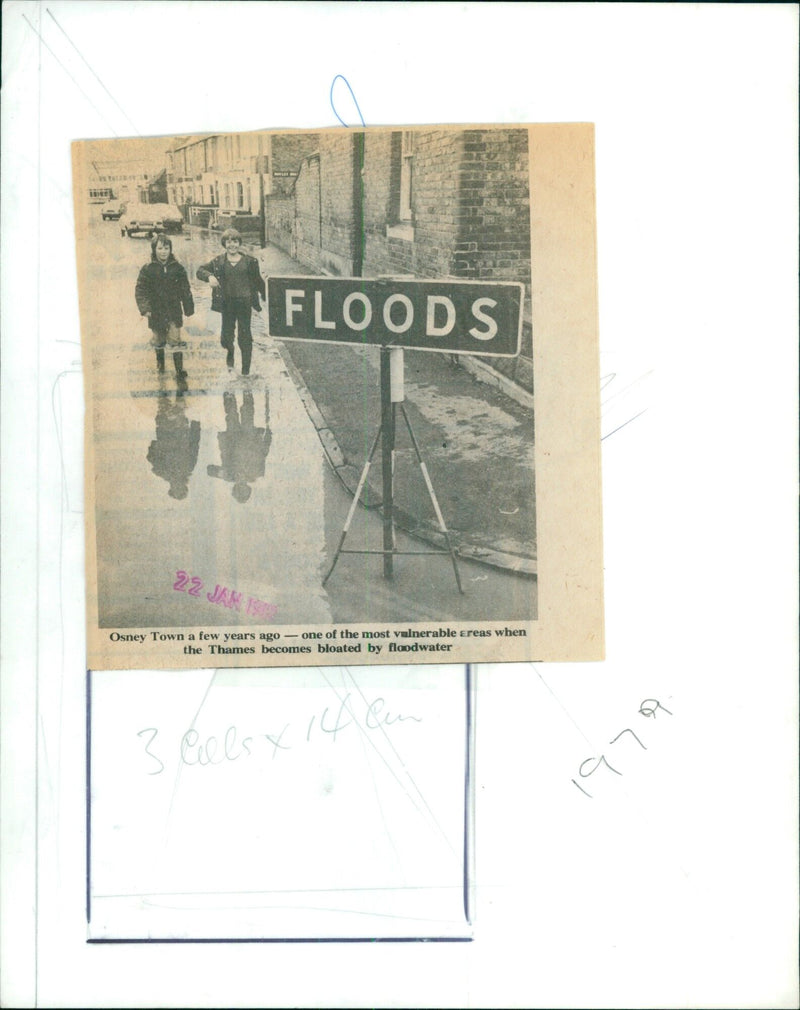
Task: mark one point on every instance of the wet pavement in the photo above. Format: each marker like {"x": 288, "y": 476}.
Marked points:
{"x": 477, "y": 448}
{"x": 477, "y": 443}
{"x": 218, "y": 484}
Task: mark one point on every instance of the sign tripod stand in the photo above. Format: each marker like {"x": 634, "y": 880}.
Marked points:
{"x": 452, "y": 316}
{"x": 392, "y": 396}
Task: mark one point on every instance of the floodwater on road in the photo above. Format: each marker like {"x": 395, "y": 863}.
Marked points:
{"x": 216, "y": 491}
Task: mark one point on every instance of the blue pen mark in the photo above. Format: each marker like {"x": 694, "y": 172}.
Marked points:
{"x": 341, "y": 77}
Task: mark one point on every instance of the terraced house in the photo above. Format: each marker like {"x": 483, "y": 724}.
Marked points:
{"x": 425, "y": 203}
{"x": 221, "y": 180}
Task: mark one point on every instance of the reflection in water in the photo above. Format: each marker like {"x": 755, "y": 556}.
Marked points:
{"x": 173, "y": 453}
{"x": 243, "y": 448}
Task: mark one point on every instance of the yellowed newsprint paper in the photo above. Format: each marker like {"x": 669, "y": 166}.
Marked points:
{"x": 342, "y": 397}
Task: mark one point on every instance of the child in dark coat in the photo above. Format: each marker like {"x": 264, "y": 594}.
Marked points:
{"x": 162, "y": 296}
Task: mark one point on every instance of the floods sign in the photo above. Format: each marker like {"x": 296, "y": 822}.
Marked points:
{"x": 463, "y": 317}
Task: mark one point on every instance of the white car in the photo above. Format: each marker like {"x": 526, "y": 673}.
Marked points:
{"x": 148, "y": 218}
{"x": 112, "y": 211}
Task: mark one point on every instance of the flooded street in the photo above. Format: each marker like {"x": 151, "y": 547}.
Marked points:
{"x": 216, "y": 504}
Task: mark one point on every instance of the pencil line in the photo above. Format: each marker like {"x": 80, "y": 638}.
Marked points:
{"x": 290, "y": 890}
{"x": 623, "y": 425}
{"x": 58, "y": 61}
{"x": 180, "y": 763}
{"x": 396, "y": 753}
{"x": 302, "y": 908}
{"x": 563, "y": 709}
{"x": 92, "y": 71}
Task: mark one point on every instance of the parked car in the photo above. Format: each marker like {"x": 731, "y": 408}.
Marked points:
{"x": 113, "y": 210}
{"x": 147, "y": 218}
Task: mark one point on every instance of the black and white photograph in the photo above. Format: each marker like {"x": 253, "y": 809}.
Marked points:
{"x": 311, "y": 360}
{"x": 538, "y": 815}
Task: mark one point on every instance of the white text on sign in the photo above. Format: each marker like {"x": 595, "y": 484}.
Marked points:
{"x": 394, "y": 321}
{"x": 452, "y": 316}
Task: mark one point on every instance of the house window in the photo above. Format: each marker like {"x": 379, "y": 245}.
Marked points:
{"x": 401, "y": 220}
{"x": 406, "y": 174}
{"x": 239, "y": 194}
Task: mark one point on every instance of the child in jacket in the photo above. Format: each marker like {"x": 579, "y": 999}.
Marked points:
{"x": 237, "y": 283}
{"x": 163, "y": 295}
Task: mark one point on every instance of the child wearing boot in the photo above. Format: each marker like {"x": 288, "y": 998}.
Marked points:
{"x": 162, "y": 296}
{"x": 237, "y": 283}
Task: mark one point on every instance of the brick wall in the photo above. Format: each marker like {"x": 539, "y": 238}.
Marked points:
{"x": 494, "y": 206}
{"x": 381, "y": 201}
{"x": 470, "y": 212}
{"x": 337, "y": 204}
{"x": 494, "y": 236}
{"x": 279, "y": 210}
{"x": 434, "y": 203}
{"x": 470, "y": 205}
{"x": 323, "y": 236}
{"x": 380, "y": 151}
{"x": 307, "y": 224}
{"x": 288, "y": 151}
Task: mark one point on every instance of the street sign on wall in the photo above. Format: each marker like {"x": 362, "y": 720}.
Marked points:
{"x": 458, "y": 317}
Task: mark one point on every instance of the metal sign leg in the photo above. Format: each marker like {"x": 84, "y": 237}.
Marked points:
{"x": 391, "y": 396}
{"x": 387, "y": 462}
{"x": 362, "y": 480}
{"x": 432, "y": 493}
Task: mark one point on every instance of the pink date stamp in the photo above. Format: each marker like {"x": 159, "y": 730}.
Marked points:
{"x": 222, "y": 596}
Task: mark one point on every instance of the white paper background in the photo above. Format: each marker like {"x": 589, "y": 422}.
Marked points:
{"x": 312, "y": 803}
{"x": 675, "y": 885}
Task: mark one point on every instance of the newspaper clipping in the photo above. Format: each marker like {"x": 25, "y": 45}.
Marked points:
{"x": 342, "y": 397}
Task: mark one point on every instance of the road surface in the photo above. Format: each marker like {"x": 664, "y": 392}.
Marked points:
{"x": 173, "y": 525}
